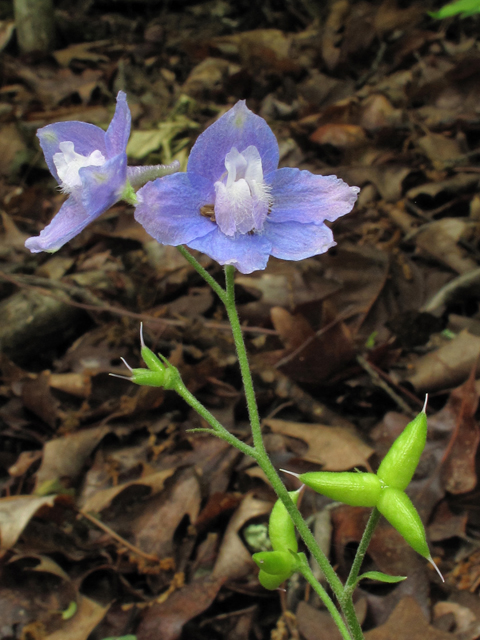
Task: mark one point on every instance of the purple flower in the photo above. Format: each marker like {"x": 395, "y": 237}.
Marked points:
{"x": 235, "y": 205}
{"x": 91, "y": 166}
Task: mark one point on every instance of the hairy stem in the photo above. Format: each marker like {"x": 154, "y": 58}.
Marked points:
{"x": 217, "y": 427}
{"x": 258, "y": 452}
{"x": 361, "y": 551}
{"x": 324, "y": 597}
{"x": 204, "y": 273}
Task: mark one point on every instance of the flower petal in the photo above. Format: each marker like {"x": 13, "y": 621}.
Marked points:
{"x": 304, "y": 197}
{"x": 169, "y": 208}
{"x": 238, "y": 128}
{"x": 245, "y": 252}
{"x": 85, "y": 137}
{"x": 103, "y": 186}
{"x": 118, "y": 131}
{"x": 295, "y": 241}
{"x": 70, "y": 220}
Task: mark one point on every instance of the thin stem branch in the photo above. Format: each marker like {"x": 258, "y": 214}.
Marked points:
{"x": 217, "y": 427}
{"x": 258, "y": 452}
{"x": 203, "y": 272}
{"x": 243, "y": 358}
{"x": 324, "y": 597}
{"x": 361, "y": 551}
{"x": 261, "y": 454}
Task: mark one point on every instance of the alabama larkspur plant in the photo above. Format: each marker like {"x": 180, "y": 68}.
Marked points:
{"x": 235, "y": 205}
{"x": 89, "y": 164}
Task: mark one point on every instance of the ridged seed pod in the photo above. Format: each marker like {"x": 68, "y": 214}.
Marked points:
{"x": 275, "y": 562}
{"x": 350, "y": 487}
{"x": 270, "y": 581}
{"x": 397, "y": 468}
{"x": 398, "y": 509}
{"x": 281, "y": 529}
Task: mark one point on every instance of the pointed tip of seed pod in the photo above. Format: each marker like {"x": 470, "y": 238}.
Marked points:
{"x": 291, "y": 473}
{"x": 430, "y": 559}
{"x": 424, "y": 410}
{"x": 142, "y": 341}
{"x": 115, "y": 375}
{"x": 126, "y": 364}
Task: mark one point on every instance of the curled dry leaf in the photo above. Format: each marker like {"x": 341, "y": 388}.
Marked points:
{"x": 335, "y": 448}
{"x": 341, "y": 136}
{"x": 234, "y": 561}
{"x": 79, "y": 627}
{"x": 15, "y": 514}
{"x": 459, "y": 467}
{"x": 102, "y": 499}
{"x": 407, "y": 622}
{"x": 440, "y": 240}
{"x": 65, "y": 457}
{"x": 447, "y": 366}
{"x": 166, "y": 620}
{"x": 155, "y": 527}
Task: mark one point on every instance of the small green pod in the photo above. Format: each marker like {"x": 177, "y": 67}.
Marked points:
{"x": 397, "y": 468}
{"x": 281, "y": 529}
{"x": 270, "y": 581}
{"x": 398, "y": 509}
{"x": 350, "y": 487}
{"x": 148, "y": 378}
{"x": 152, "y": 361}
{"x": 275, "y": 562}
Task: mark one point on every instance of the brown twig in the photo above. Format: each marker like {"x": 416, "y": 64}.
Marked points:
{"x": 117, "y": 537}
{"x": 25, "y": 282}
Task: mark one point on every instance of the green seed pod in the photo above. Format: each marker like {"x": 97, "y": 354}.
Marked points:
{"x": 281, "y": 529}
{"x": 349, "y": 487}
{"x": 275, "y": 562}
{"x": 398, "y": 466}
{"x": 152, "y": 361}
{"x": 148, "y": 378}
{"x": 398, "y": 509}
{"x": 270, "y": 581}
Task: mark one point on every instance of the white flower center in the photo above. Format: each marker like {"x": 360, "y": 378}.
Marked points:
{"x": 242, "y": 200}
{"x": 69, "y": 162}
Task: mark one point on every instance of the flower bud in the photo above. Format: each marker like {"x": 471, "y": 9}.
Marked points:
{"x": 397, "y": 468}
{"x": 350, "y": 487}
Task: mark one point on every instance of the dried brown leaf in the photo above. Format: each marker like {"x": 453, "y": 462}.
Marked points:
{"x": 15, "y": 514}
{"x": 440, "y": 239}
{"x": 102, "y": 499}
{"x": 459, "y": 467}
{"x": 407, "y": 622}
{"x": 154, "y": 528}
{"x": 234, "y": 561}
{"x": 447, "y": 366}
{"x": 335, "y": 448}
{"x": 65, "y": 456}
{"x": 341, "y": 136}
{"x": 89, "y": 613}
{"x": 166, "y": 620}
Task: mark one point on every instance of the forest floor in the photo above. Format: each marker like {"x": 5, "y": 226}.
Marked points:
{"x": 115, "y": 520}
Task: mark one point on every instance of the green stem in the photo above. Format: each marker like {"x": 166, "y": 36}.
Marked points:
{"x": 258, "y": 452}
{"x": 217, "y": 427}
{"x": 262, "y": 457}
{"x": 204, "y": 273}
{"x": 361, "y": 551}
{"x": 324, "y": 597}
{"x": 243, "y": 359}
